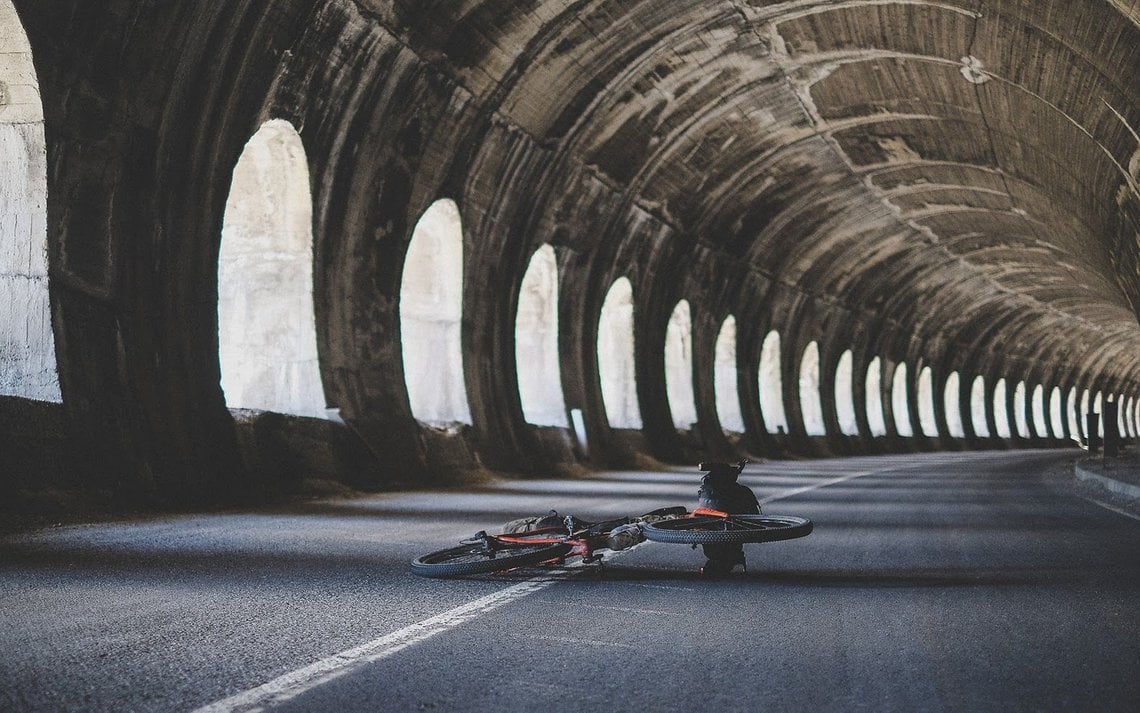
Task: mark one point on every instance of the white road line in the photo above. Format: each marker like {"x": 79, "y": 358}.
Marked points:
{"x": 291, "y": 685}
{"x": 816, "y": 486}
{"x": 841, "y": 479}
{"x": 295, "y": 683}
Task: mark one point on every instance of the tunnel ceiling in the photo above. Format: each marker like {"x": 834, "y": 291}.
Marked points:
{"x": 952, "y": 167}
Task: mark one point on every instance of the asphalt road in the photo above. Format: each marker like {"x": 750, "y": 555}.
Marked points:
{"x": 942, "y": 582}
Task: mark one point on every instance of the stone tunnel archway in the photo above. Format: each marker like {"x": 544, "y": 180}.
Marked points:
{"x": 1001, "y": 410}
{"x": 771, "y": 385}
{"x": 536, "y": 342}
{"x": 900, "y": 403}
{"x": 953, "y": 390}
{"x": 679, "y": 367}
{"x": 844, "y": 395}
{"x": 725, "y": 379}
{"x": 926, "y": 408}
{"x": 874, "y": 388}
{"x": 978, "y": 407}
{"x": 431, "y": 312}
{"x": 267, "y": 340}
{"x": 616, "y": 369}
{"x": 811, "y": 406}
{"x": 27, "y": 344}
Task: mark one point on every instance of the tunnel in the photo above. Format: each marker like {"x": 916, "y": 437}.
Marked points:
{"x": 256, "y": 250}
{"x": 379, "y": 242}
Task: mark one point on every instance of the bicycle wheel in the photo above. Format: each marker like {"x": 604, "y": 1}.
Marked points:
{"x": 473, "y": 559}
{"x": 734, "y": 528}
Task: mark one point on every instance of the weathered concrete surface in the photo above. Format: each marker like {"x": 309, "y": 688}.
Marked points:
{"x": 267, "y": 334}
{"x": 27, "y": 347}
{"x": 943, "y": 185}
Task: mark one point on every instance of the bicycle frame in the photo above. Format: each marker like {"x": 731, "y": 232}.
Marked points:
{"x": 582, "y": 543}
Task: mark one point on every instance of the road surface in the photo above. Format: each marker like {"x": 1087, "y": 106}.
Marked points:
{"x": 940, "y": 582}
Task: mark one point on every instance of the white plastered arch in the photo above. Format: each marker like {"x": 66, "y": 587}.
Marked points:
{"x": 536, "y": 342}
{"x": 267, "y": 338}
{"x": 431, "y": 317}
{"x": 27, "y": 344}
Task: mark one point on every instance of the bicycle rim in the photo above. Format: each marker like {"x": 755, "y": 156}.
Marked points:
{"x": 473, "y": 559}
{"x": 735, "y": 528}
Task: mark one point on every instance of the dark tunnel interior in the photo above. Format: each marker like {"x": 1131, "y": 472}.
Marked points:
{"x": 252, "y": 246}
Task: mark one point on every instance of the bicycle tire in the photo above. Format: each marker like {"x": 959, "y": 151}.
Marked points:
{"x": 735, "y": 528}
{"x": 472, "y": 559}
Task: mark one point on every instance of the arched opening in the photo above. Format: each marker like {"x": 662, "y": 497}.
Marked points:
{"x": 978, "y": 407}
{"x": 1075, "y": 429}
{"x": 267, "y": 332}
{"x": 1040, "y": 426}
{"x": 1019, "y": 416}
{"x": 615, "y": 357}
{"x": 927, "y": 419}
{"x": 724, "y": 379}
{"x": 1082, "y": 415}
{"x": 1001, "y": 411}
{"x": 951, "y": 399}
{"x": 772, "y": 385}
{"x": 1098, "y": 409}
{"x": 679, "y": 367}
{"x": 900, "y": 402}
{"x": 810, "y": 405}
{"x": 1056, "y": 413}
{"x": 874, "y": 388}
{"x": 536, "y": 342}
{"x": 27, "y": 345}
{"x": 845, "y": 395}
{"x": 431, "y": 316}
{"x": 1129, "y": 425}
{"x": 1125, "y": 421}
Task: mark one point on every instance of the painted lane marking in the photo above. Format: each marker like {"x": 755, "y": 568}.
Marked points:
{"x": 816, "y": 486}
{"x": 293, "y": 684}
{"x": 843, "y": 478}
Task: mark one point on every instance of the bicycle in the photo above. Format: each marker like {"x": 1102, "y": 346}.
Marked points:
{"x": 551, "y": 546}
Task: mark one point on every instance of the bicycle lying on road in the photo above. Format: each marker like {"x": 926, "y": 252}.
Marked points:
{"x": 556, "y": 538}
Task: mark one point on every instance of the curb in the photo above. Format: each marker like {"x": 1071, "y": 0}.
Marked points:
{"x": 1126, "y": 489}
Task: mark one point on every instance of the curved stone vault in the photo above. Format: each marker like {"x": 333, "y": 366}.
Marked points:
{"x": 949, "y": 185}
